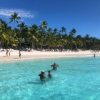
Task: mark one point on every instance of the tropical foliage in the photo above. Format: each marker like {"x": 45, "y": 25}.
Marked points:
{"x": 43, "y": 37}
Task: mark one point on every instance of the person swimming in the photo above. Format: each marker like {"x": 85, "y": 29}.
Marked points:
{"x": 49, "y": 74}
{"x": 42, "y": 76}
{"x": 54, "y": 66}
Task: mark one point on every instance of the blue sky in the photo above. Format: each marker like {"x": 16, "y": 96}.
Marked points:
{"x": 84, "y": 15}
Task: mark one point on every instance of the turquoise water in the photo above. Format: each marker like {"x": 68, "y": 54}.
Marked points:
{"x": 75, "y": 79}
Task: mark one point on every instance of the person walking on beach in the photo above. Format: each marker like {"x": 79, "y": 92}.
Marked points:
{"x": 7, "y": 51}
{"x": 19, "y": 54}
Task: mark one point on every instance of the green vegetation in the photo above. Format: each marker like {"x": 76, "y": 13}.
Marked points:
{"x": 42, "y": 37}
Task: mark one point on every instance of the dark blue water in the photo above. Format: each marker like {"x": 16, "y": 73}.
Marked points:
{"x": 75, "y": 79}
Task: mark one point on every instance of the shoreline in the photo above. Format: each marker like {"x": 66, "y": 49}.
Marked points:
{"x": 45, "y": 54}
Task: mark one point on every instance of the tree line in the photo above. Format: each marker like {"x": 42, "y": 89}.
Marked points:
{"x": 42, "y": 37}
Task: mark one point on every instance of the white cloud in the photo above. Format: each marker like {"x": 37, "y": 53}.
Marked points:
{"x": 21, "y": 13}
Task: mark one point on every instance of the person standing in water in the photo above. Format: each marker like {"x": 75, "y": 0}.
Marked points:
{"x": 42, "y": 76}
{"x": 49, "y": 74}
{"x": 94, "y": 55}
{"x": 54, "y": 66}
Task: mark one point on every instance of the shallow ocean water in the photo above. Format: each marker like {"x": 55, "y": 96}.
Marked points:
{"x": 75, "y": 79}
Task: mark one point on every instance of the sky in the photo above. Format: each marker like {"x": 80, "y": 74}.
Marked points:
{"x": 83, "y": 15}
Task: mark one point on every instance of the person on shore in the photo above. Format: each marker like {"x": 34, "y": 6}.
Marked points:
{"x": 54, "y": 66}
{"x": 7, "y": 52}
{"x": 19, "y": 54}
{"x": 42, "y": 76}
{"x": 49, "y": 74}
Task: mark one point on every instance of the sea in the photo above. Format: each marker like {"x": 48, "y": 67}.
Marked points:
{"x": 76, "y": 78}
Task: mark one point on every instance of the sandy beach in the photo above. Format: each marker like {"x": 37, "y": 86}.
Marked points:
{"x": 44, "y": 54}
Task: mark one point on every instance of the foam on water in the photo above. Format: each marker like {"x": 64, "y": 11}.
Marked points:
{"x": 75, "y": 79}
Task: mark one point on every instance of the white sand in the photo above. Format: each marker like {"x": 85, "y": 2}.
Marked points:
{"x": 45, "y": 54}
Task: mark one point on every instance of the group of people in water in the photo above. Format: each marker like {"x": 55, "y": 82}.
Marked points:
{"x": 54, "y": 66}
{"x": 43, "y": 76}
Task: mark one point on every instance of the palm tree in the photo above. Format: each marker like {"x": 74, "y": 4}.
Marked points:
{"x": 7, "y": 37}
{"x": 87, "y": 41}
{"x": 79, "y": 41}
{"x": 15, "y": 17}
{"x": 43, "y": 36}
{"x": 63, "y": 30}
{"x": 42, "y": 33}
{"x": 71, "y": 39}
{"x": 49, "y": 38}
{"x": 33, "y": 36}
{"x": 23, "y": 29}
{"x": 72, "y": 33}
{"x": 44, "y": 25}
{"x": 3, "y": 31}
{"x": 55, "y": 31}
